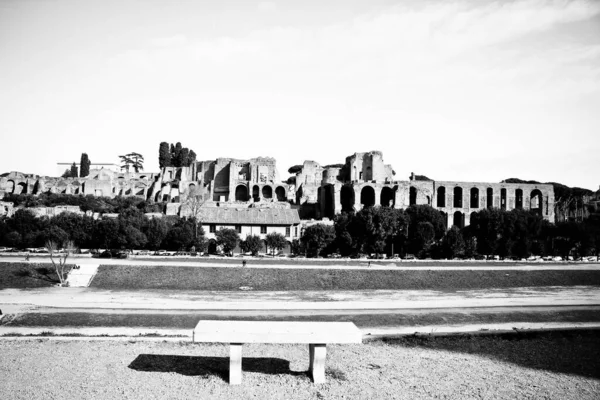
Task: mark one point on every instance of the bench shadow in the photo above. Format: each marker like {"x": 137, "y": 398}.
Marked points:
{"x": 207, "y": 366}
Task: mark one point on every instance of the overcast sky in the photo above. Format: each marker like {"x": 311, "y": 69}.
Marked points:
{"x": 455, "y": 90}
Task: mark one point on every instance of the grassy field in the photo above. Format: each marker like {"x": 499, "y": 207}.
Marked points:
{"x": 525, "y": 366}
{"x": 27, "y": 275}
{"x": 267, "y": 279}
{"x": 367, "y": 318}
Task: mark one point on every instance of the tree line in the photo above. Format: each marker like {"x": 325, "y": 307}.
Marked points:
{"x": 420, "y": 230}
{"x": 130, "y": 230}
{"x": 175, "y": 155}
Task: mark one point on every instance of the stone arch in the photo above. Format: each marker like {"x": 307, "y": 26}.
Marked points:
{"x": 458, "y": 220}
{"x": 519, "y": 198}
{"x": 256, "y": 193}
{"x": 412, "y": 196}
{"x": 347, "y": 198}
{"x": 474, "y": 200}
{"x": 536, "y": 201}
{"x": 386, "y": 199}
{"x": 267, "y": 192}
{"x": 458, "y": 197}
{"x": 441, "y": 196}
{"x": 212, "y": 246}
{"x": 503, "y": 198}
{"x": 241, "y": 193}
{"x": 280, "y": 193}
{"x": 367, "y": 196}
{"x": 328, "y": 191}
{"x": 490, "y": 197}
{"x": 36, "y": 188}
{"x": 21, "y": 188}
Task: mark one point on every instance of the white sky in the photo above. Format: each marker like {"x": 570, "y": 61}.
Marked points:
{"x": 455, "y": 90}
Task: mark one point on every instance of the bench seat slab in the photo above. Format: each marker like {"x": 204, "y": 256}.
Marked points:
{"x": 276, "y": 332}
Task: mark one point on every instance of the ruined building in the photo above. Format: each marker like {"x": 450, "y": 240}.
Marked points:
{"x": 319, "y": 192}
{"x": 365, "y": 180}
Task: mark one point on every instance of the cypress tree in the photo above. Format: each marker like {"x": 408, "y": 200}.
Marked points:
{"x": 84, "y": 165}
{"x": 74, "y": 173}
{"x": 164, "y": 155}
{"x": 185, "y": 154}
{"x": 177, "y": 160}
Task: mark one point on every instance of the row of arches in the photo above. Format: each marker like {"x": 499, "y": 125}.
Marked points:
{"x": 241, "y": 193}
{"x": 535, "y": 198}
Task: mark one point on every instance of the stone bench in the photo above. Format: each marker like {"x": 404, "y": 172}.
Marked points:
{"x": 316, "y": 334}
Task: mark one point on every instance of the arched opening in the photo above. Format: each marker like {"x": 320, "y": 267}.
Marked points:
{"x": 387, "y": 197}
{"x": 36, "y": 188}
{"x": 441, "y": 196}
{"x": 212, "y": 246}
{"x": 241, "y": 193}
{"x": 329, "y": 210}
{"x": 10, "y": 187}
{"x": 519, "y": 198}
{"x": 537, "y": 201}
{"x": 412, "y": 196}
{"x": 280, "y": 193}
{"x": 21, "y": 188}
{"x": 490, "y": 198}
{"x": 458, "y": 220}
{"x": 458, "y": 197}
{"x": 256, "y": 193}
{"x": 267, "y": 192}
{"x": 474, "y": 198}
{"x": 503, "y": 198}
{"x": 367, "y": 196}
{"x": 347, "y": 198}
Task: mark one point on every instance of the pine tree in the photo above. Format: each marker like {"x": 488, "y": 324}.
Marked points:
{"x": 84, "y": 165}
{"x": 164, "y": 155}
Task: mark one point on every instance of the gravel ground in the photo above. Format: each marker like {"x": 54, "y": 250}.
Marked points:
{"x": 548, "y": 366}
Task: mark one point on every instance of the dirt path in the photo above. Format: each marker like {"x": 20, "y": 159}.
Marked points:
{"x": 11, "y": 299}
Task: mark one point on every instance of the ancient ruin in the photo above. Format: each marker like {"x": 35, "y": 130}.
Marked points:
{"x": 365, "y": 180}
{"x": 319, "y": 192}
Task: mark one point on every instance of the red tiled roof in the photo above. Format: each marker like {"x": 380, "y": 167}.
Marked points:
{"x": 250, "y": 216}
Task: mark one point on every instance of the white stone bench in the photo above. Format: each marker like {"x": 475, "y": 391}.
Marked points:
{"x": 316, "y": 334}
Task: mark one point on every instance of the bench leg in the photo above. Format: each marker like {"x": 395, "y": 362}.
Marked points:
{"x": 317, "y": 354}
{"x": 235, "y": 363}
